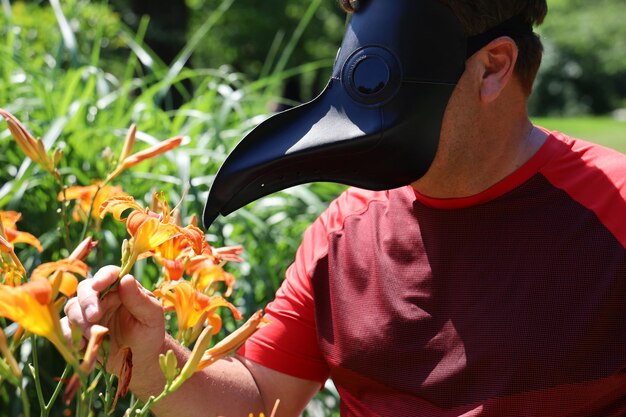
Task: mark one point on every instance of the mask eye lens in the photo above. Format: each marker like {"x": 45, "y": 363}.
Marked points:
{"x": 370, "y": 75}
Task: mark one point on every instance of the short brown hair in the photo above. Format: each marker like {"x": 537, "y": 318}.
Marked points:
{"x": 477, "y": 16}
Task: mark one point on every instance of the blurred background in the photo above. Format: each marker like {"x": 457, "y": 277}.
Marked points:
{"x": 78, "y": 73}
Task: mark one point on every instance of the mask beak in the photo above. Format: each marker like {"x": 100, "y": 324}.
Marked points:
{"x": 376, "y": 124}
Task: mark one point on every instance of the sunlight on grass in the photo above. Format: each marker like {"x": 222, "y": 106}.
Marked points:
{"x": 606, "y": 131}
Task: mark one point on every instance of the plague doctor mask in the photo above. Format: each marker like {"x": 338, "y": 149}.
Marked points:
{"x": 376, "y": 124}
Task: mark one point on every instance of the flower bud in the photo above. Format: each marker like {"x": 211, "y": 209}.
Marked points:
{"x": 169, "y": 365}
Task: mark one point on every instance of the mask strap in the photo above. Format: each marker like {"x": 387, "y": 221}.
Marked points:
{"x": 513, "y": 27}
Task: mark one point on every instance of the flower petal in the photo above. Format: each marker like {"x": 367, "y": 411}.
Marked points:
{"x": 117, "y": 205}
{"x": 152, "y": 151}
{"x": 233, "y": 340}
{"x": 10, "y": 218}
{"x": 74, "y": 266}
{"x": 15, "y": 236}
{"x": 83, "y": 249}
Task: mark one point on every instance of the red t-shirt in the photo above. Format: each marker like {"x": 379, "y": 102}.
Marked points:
{"x": 507, "y": 303}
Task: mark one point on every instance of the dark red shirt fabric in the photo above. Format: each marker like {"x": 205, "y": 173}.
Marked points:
{"x": 507, "y": 303}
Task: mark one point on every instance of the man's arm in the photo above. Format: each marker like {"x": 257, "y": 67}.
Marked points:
{"x": 230, "y": 387}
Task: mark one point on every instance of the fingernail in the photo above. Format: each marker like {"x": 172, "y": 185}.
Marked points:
{"x": 90, "y": 312}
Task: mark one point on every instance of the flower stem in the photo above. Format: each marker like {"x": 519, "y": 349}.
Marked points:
{"x": 34, "y": 369}
{"x": 25, "y": 402}
{"x": 64, "y": 218}
{"x": 88, "y": 219}
{"x": 153, "y": 400}
{"x": 108, "y": 393}
{"x": 57, "y": 390}
{"x": 126, "y": 268}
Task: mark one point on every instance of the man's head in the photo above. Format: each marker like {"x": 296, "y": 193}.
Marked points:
{"x": 478, "y": 16}
{"x": 378, "y": 122}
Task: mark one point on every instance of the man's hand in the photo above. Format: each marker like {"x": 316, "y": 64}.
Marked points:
{"x": 230, "y": 387}
{"x": 131, "y": 313}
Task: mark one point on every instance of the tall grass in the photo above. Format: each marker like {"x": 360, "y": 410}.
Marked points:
{"x": 64, "y": 85}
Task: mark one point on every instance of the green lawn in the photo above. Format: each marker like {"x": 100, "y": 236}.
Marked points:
{"x": 603, "y": 130}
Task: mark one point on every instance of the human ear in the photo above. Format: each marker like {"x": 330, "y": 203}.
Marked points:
{"x": 498, "y": 60}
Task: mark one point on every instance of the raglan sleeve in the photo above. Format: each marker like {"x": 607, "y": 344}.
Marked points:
{"x": 289, "y": 343}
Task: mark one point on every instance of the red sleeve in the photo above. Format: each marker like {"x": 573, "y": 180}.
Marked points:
{"x": 595, "y": 177}
{"x": 289, "y": 343}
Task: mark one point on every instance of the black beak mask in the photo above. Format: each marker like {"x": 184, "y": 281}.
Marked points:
{"x": 376, "y": 124}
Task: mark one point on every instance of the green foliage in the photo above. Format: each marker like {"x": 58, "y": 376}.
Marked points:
{"x": 82, "y": 97}
{"x": 584, "y": 70}
{"x": 35, "y": 34}
{"x": 254, "y": 37}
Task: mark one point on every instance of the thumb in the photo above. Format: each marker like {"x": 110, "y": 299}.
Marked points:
{"x": 139, "y": 302}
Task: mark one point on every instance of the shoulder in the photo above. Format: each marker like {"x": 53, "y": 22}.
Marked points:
{"x": 592, "y": 175}
{"x": 354, "y": 202}
{"x": 581, "y": 159}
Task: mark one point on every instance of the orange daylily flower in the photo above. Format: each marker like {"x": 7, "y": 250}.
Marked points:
{"x": 129, "y": 143}
{"x": 173, "y": 256}
{"x": 233, "y": 341}
{"x": 118, "y": 205}
{"x": 83, "y": 249}
{"x": 11, "y": 275}
{"x": 89, "y": 361}
{"x": 229, "y": 253}
{"x": 150, "y": 234}
{"x": 196, "y": 239}
{"x": 32, "y": 307}
{"x": 89, "y": 197}
{"x": 193, "y": 308}
{"x": 68, "y": 268}
{"x": 33, "y": 148}
{"x": 9, "y": 221}
{"x": 204, "y": 271}
{"x": 138, "y": 157}
{"x": 150, "y": 230}
{"x": 10, "y": 218}
{"x": 160, "y": 205}
{"x": 6, "y": 247}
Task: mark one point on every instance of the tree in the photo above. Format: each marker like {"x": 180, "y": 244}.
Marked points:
{"x": 584, "y": 69}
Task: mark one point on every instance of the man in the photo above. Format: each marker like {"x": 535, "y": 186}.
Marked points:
{"x": 492, "y": 285}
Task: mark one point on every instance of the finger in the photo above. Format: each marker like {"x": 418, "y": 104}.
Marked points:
{"x": 139, "y": 302}
{"x": 66, "y": 327}
{"x": 74, "y": 317}
{"x": 74, "y": 313}
{"x": 89, "y": 290}
{"x": 105, "y": 276}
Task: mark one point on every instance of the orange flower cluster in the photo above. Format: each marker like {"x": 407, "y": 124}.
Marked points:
{"x": 181, "y": 251}
{"x": 8, "y": 220}
{"x": 35, "y": 304}
{"x": 33, "y": 300}
{"x": 62, "y": 273}
{"x": 32, "y": 306}
{"x": 89, "y": 198}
